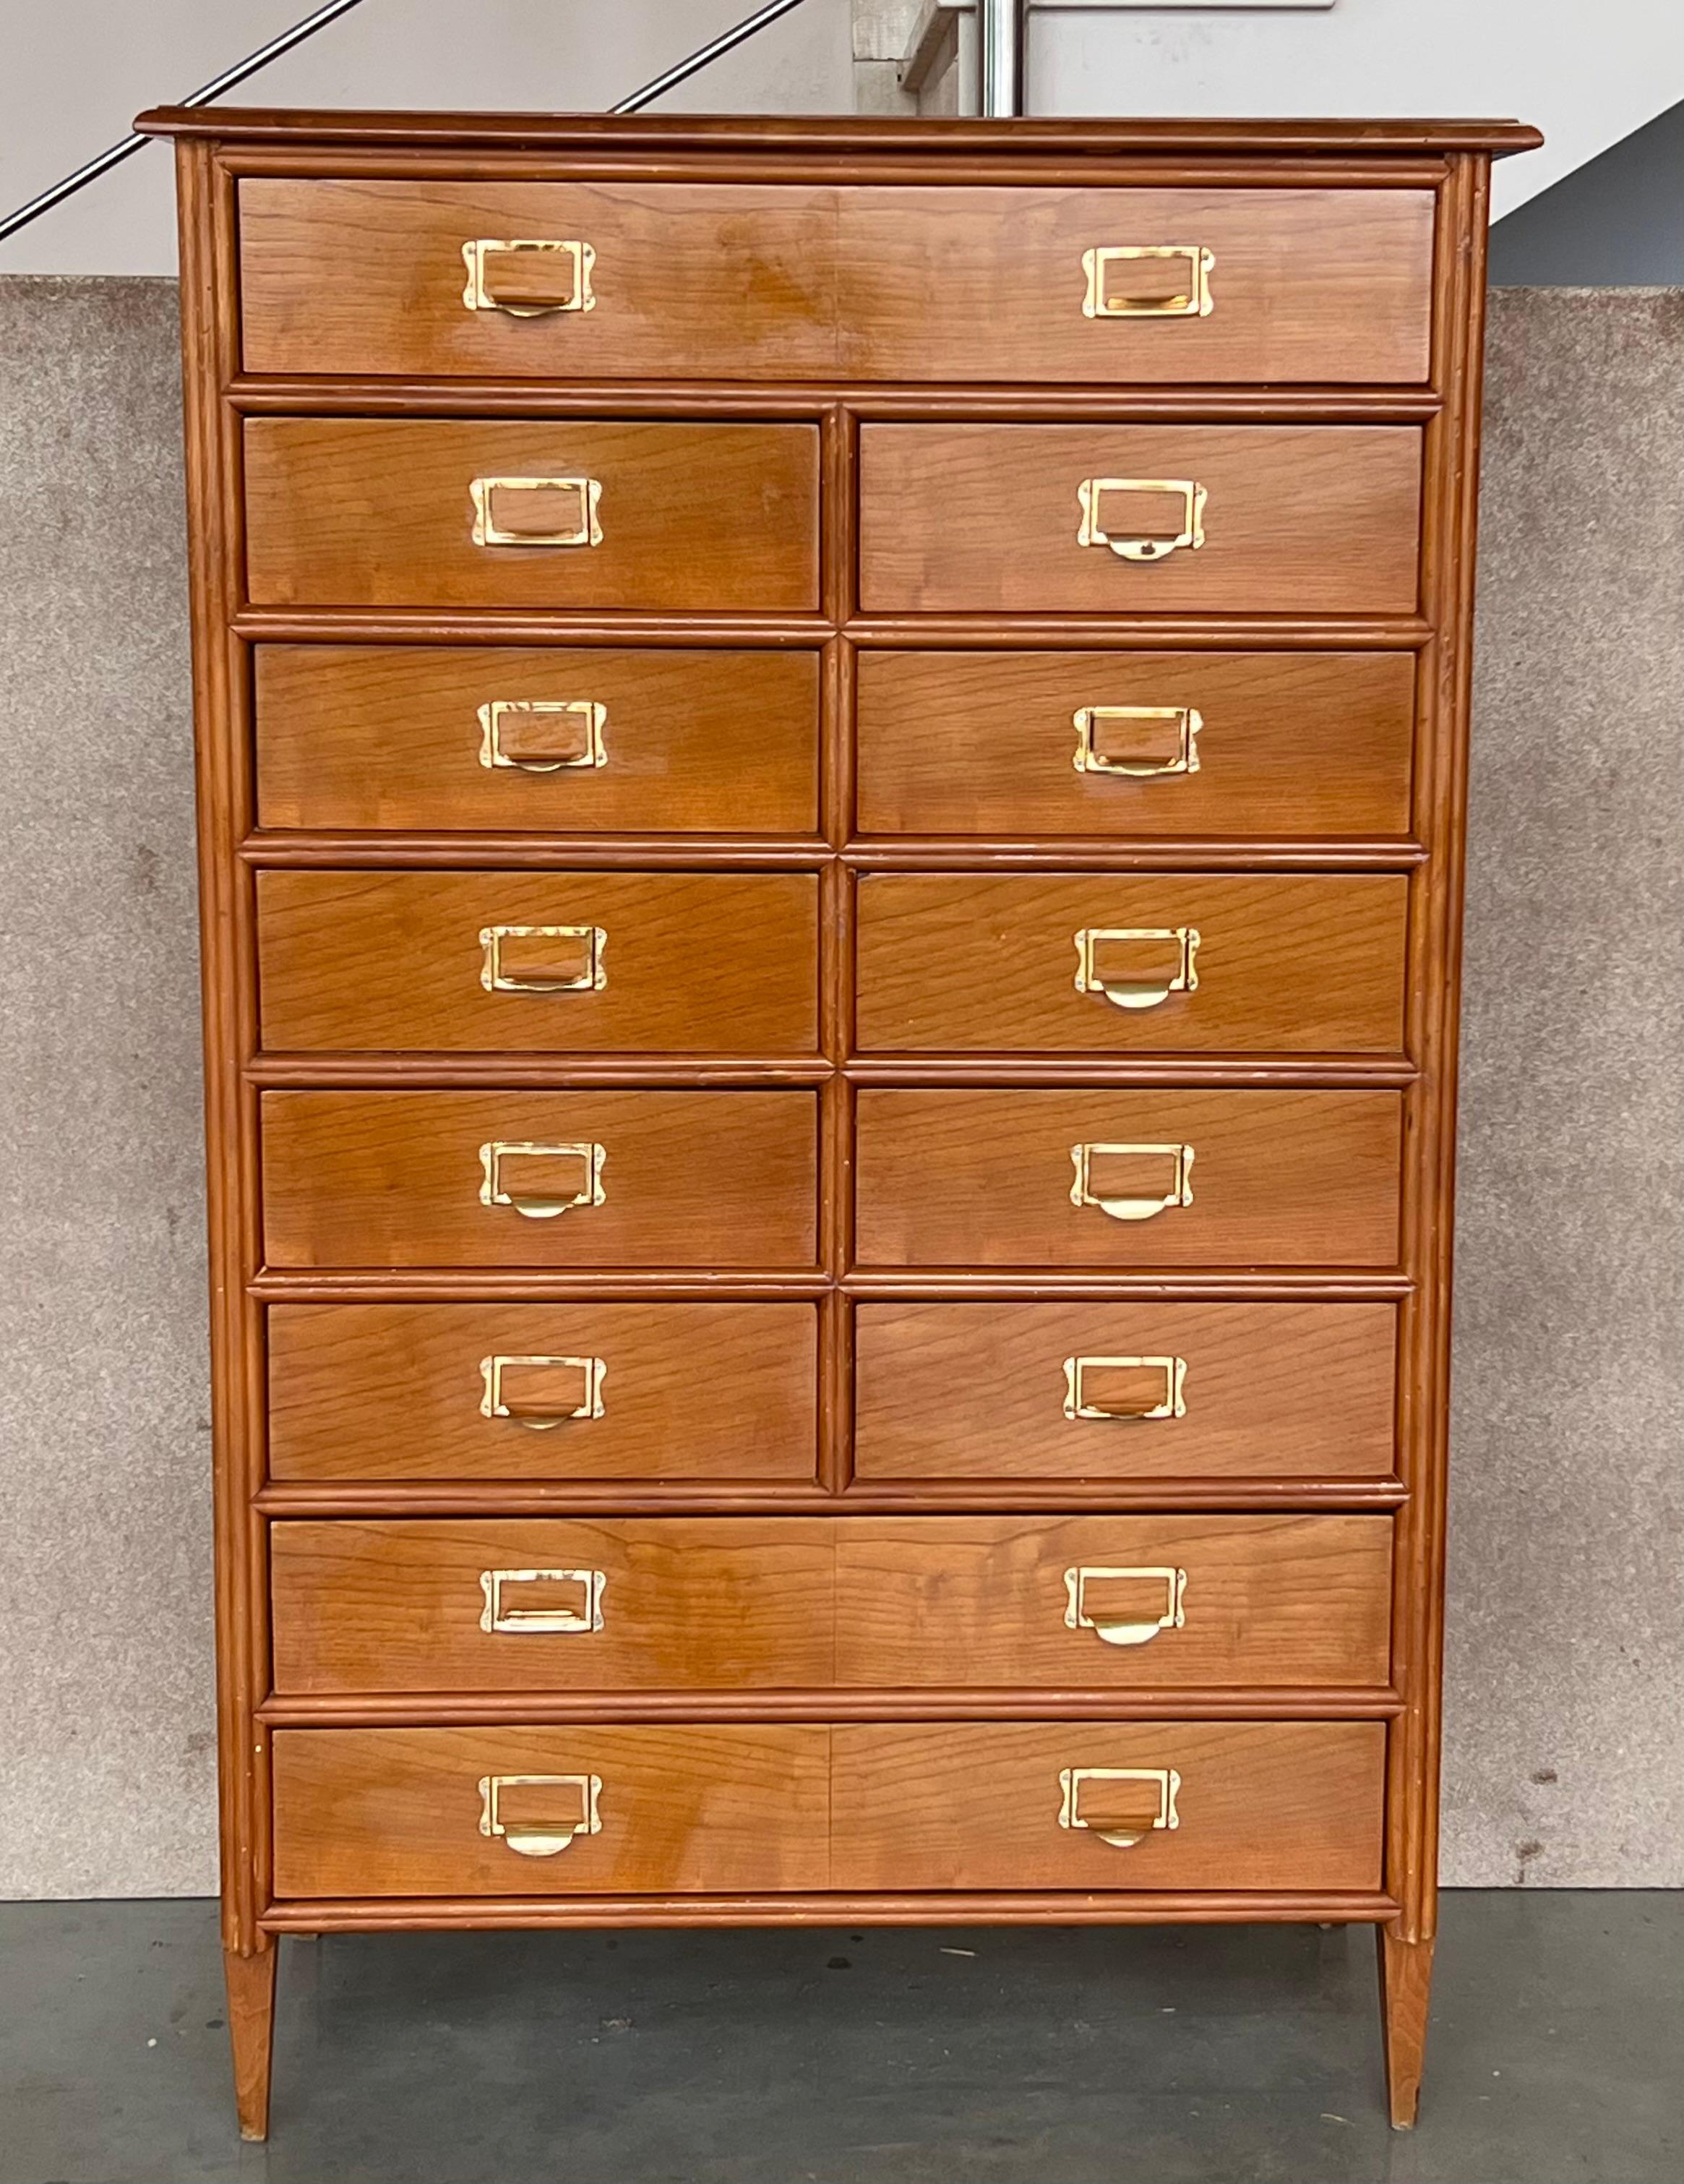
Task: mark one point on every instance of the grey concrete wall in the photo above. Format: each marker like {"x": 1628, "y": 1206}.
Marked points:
{"x": 1565, "y": 1761}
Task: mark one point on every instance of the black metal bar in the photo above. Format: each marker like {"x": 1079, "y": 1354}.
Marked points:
{"x": 699, "y": 59}
{"x": 115, "y": 154}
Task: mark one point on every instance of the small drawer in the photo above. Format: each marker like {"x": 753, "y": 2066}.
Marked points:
{"x": 1131, "y": 1179}
{"x": 1124, "y": 1392}
{"x": 709, "y": 1179}
{"x": 1014, "y": 745}
{"x": 663, "y": 1604}
{"x": 1095, "y": 963}
{"x": 651, "y": 1809}
{"x": 1137, "y": 286}
{"x": 538, "y": 280}
{"x": 1140, "y": 519}
{"x": 546, "y": 963}
{"x": 659, "y": 517}
{"x": 1230, "y": 1806}
{"x": 1113, "y": 1603}
{"x": 553, "y": 740}
{"x": 511, "y": 1391}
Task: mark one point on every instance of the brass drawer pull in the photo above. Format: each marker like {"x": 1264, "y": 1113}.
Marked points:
{"x": 528, "y": 278}
{"x": 1172, "y": 1404}
{"x": 536, "y": 511}
{"x": 1092, "y": 721}
{"x": 1180, "y": 1192}
{"x": 515, "y": 1622}
{"x": 1116, "y": 1816}
{"x": 509, "y": 717}
{"x": 497, "y": 977}
{"x": 1140, "y": 298}
{"x": 1147, "y": 546}
{"x": 495, "y": 1403}
{"x": 1137, "y": 993}
{"x": 494, "y": 1190}
{"x": 1113, "y": 1629}
{"x": 542, "y": 1838}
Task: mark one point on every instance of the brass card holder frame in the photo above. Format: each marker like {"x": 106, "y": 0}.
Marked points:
{"x": 1180, "y": 1192}
{"x": 488, "y": 531}
{"x": 1173, "y": 1404}
{"x": 544, "y": 1841}
{"x": 1114, "y": 1630}
{"x": 1087, "y": 722}
{"x": 518, "y": 1622}
{"x": 497, "y": 711}
{"x": 1092, "y": 530}
{"x": 492, "y": 1405}
{"x": 497, "y": 980}
{"x": 477, "y": 298}
{"x": 1167, "y": 1782}
{"x": 1193, "y": 300}
{"x": 1137, "y": 993}
{"x": 492, "y": 1192}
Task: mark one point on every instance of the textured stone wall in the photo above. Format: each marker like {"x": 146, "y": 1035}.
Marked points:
{"x": 1564, "y": 1756}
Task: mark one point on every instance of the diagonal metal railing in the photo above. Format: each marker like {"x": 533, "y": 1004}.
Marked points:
{"x": 208, "y": 93}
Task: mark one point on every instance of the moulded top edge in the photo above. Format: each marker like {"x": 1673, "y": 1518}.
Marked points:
{"x": 1067, "y": 136}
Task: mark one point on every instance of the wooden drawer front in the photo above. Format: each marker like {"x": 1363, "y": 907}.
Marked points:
{"x": 512, "y": 1391}
{"x": 1113, "y": 1603}
{"x": 1243, "y": 744}
{"x": 689, "y": 1810}
{"x": 1319, "y": 285}
{"x": 529, "y": 962}
{"x": 580, "y": 740}
{"x": 1264, "y": 1805}
{"x": 685, "y": 279}
{"x": 988, "y": 1390}
{"x": 1298, "y": 519}
{"x": 1095, "y": 963}
{"x": 395, "y": 1178}
{"x": 1276, "y": 1179}
{"x": 353, "y": 512}
{"x": 664, "y": 1603}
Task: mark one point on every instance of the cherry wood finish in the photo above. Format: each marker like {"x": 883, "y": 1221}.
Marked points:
{"x": 840, "y": 625}
{"x": 1304, "y": 964}
{"x": 393, "y": 1178}
{"x": 386, "y": 739}
{"x": 1293, "y": 743}
{"x": 684, "y": 1809}
{"x": 954, "y": 1179}
{"x": 386, "y": 962}
{"x": 356, "y": 512}
{"x": 979, "y": 1391}
{"x": 983, "y": 518}
{"x": 1263, "y": 1805}
{"x": 687, "y": 1391}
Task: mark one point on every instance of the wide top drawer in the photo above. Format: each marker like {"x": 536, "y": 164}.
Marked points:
{"x": 616, "y": 280}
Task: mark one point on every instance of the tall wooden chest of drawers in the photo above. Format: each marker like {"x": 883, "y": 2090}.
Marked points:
{"x": 831, "y": 768}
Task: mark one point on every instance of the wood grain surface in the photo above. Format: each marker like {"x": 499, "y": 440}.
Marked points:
{"x": 376, "y": 1392}
{"x": 983, "y": 518}
{"x": 346, "y": 511}
{"x": 388, "y": 738}
{"x": 978, "y": 1390}
{"x": 1286, "y": 963}
{"x": 393, "y": 1178}
{"x": 953, "y": 1178}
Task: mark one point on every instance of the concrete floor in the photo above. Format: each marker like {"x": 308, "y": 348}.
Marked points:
{"x": 1046, "y": 2057}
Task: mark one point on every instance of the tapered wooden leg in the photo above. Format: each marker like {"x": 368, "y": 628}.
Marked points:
{"x": 1405, "y": 1991}
{"x": 250, "y": 2029}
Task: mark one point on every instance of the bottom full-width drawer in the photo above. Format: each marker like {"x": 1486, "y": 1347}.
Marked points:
{"x": 696, "y": 1810}
{"x": 874, "y": 1808}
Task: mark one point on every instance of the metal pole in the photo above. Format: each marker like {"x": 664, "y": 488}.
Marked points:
{"x": 115, "y": 154}
{"x": 722, "y": 44}
{"x": 1003, "y": 56}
